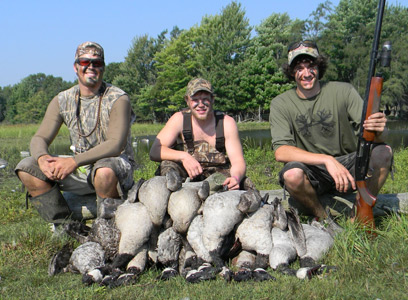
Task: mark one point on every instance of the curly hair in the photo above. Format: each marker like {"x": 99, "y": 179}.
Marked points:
{"x": 321, "y": 62}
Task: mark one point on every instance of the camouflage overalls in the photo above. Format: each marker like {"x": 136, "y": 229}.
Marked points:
{"x": 212, "y": 159}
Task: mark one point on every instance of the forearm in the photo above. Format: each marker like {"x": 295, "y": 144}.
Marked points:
{"x": 238, "y": 171}
{"x": 159, "y": 153}
{"x": 291, "y": 153}
{"x": 47, "y": 131}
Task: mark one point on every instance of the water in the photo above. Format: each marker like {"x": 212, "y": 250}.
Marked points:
{"x": 398, "y": 138}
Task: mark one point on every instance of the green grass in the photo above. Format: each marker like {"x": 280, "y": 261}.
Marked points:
{"x": 368, "y": 268}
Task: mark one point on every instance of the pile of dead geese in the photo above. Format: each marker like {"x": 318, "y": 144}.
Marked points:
{"x": 194, "y": 230}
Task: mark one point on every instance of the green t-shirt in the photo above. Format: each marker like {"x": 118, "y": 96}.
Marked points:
{"x": 327, "y": 123}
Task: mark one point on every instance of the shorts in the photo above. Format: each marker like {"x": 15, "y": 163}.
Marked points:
{"x": 81, "y": 181}
{"x": 318, "y": 175}
{"x": 167, "y": 165}
{"x": 320, "y": 178}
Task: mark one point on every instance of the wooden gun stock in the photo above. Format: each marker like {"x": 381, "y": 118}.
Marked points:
{"x": 365, "y": 200}
{"x": 373, "y": 105}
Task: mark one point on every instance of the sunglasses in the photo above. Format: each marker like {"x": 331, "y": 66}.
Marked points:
{"x": 86, "y": 62}
{"x": 309, "y": 44}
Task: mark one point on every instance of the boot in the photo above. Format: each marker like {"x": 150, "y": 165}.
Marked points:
{"x": 51, "y": 206}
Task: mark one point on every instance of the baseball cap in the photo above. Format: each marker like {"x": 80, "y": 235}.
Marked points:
{"x": 90, "y": 48}
{"x": 302, "y": 48}
{"x": 198, "y": 84}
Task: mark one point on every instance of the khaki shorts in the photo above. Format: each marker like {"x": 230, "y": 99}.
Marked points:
{"x": 81, "y": 181}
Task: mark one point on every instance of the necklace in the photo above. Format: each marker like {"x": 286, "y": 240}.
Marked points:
{"x": 78, "y": 110}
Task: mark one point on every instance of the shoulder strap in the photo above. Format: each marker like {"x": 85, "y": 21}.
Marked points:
{"x": 219, "y": 131}
{"x": 187, "y": 131}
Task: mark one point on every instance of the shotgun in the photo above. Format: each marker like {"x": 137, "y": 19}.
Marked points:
{"x": 365, "y": 200}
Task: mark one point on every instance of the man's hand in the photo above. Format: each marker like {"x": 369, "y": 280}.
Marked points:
{"x": 232, "y": 183}
{"x": 46, "y": 167}
{"x": 191, "y": 165}
{"x": 57, "y": 168}
{"x": 340, "y": 174}
{"x": 376, "y": 122}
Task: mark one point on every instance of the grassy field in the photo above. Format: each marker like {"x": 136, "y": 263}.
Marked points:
{"x": 368, "y": 268}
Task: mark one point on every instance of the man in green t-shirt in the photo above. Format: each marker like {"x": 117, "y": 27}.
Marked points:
{"x": 314, "y": 129}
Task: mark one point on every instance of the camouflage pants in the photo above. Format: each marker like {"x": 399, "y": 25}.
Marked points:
{"x": 167, "y": 165}
{"x": 81, "y": 181}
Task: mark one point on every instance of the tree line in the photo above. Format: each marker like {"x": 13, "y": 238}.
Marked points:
{"x": 242, "y": 62}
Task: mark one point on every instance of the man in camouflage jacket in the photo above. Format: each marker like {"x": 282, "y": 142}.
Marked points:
{"x": 98, "y": 116}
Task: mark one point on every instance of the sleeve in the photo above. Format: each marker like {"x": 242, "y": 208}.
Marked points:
{"x": 47, "y": 131}
{"x": 119, "y": 127}
{"x": 354, "y": 108}
{"x": 281, "y": 127}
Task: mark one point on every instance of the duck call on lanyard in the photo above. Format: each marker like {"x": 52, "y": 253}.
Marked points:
{"x": 366, "y": 200}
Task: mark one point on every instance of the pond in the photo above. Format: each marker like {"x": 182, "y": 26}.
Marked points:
{"x": 398, "y": 137}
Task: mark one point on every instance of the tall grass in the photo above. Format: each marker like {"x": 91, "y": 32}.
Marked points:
{"x": 368, "y": 268}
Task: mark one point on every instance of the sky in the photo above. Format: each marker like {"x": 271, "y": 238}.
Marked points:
{"x": 40, "y": 36}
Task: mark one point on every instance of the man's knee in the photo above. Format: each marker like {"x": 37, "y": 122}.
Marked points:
{"x": 381, "y": 157}
{"x": 105, "y": 176}
{"x": 294, "y": 177}
{"x": 34, "y": 185}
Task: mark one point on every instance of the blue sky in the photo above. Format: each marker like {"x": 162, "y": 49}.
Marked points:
{"x": 40, "y": 36}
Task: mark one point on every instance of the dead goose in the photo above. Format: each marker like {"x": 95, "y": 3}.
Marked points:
{"x": 168, "y": 248}
{"x": 135, "y": 225}
{"x": 318, "y": 243}
{"x": 154, "y": 194}
{"x": 283, "y": 252}
{"x": 203, "y": 273}
{"x": 184, "y": 204}
{"x": 254, "y": 233}
{"x": 88, "y": 259}
{"x": 220, "y": 215}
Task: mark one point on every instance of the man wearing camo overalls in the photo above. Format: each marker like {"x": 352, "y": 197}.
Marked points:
{"x": 98, "y": 116}
{"x": 199, "y": 141}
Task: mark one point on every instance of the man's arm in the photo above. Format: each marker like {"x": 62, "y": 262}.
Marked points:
{"x": 47, "y": 131}
{"x": 119, "y": 126}
{"x": 166, "y": 138}
{"x": 235, "y": 154}
{"x": 44, "y": 136}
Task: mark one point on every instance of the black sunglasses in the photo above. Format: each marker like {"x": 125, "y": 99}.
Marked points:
{"x": 296, "y": 45}
{"x": 86, "y": 62}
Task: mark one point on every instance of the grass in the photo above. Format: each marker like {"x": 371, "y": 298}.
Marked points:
{"x": 368, "y": 268}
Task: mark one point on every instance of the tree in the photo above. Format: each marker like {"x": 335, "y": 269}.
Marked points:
{"x": 3, "y": 101}
{"x": 221, "y": 49}
{"x": 348, "y": 39}
{"x": 138, "y": 71}
{"x": 39, "y": 89}
{"x": 112, "y": 70}
{"x": 176, "y": 65}
{"x": 263, "y": 79}
{"x": 317, "y": 20}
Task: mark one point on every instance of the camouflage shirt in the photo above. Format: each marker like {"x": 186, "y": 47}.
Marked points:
{"x": 87, "y": 133}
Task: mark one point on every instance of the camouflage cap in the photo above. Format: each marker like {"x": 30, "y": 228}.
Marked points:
{"x": 198, "y": 84}
{"x": 302, "y": 50}
{"x": 89, "y": 48}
